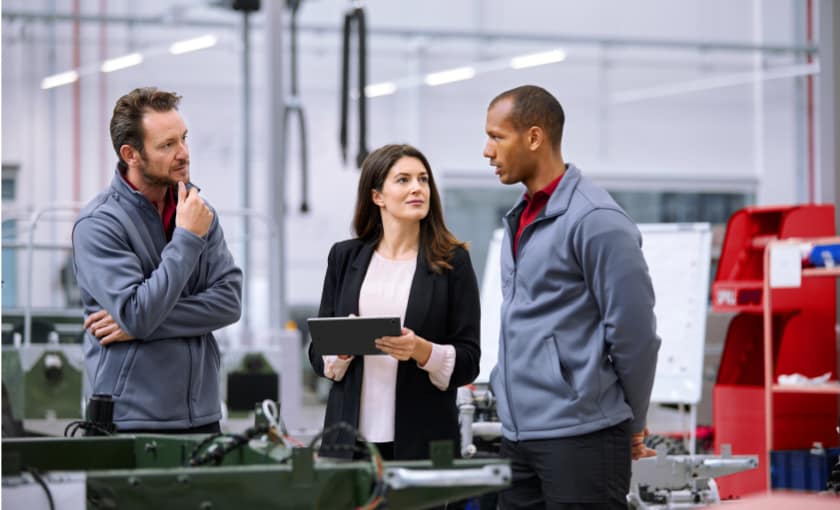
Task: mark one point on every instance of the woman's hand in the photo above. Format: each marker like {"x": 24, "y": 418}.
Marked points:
{"x": 406, "y": 346}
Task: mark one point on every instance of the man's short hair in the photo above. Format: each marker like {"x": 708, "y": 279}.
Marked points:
{"x": 535, "y": 106}
{"x": 127, "y": 120}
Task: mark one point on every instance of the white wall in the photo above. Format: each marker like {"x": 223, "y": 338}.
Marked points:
{"x": 696, "y": 137}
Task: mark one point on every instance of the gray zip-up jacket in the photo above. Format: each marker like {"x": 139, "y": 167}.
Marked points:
{"x": 169, "y": 296}
{"x": 578, "y": 344}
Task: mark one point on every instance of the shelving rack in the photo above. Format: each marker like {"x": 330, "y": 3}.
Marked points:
{"x": 771, "y": 387}
{"x": 776, "y": 331}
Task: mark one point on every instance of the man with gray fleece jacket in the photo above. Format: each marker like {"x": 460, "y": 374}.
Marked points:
{"x": 578, "y": 344}
{"x": 156, "y": 277}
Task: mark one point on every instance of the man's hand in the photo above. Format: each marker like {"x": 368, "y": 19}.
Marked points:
{"x": 406, "y": 346}
{"x": 191, "y": 212}
{"x": 105, "y": 328}
{"x": 638, "y": 448}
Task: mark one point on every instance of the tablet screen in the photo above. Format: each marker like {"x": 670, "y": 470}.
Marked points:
{"x": 350, "y": 335}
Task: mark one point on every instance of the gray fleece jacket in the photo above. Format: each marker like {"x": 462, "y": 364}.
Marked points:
{"x": 169, "y": 295}
{"x": 578, "y": 344}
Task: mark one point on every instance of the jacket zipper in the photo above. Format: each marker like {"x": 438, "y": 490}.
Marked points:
{"x": 506, "y": 313}
{"x": 507, "y": 357}
{"x": 189, "y": 383}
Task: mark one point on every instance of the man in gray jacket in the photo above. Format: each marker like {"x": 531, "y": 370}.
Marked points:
{"x": 578, "y": 344}
{"x": 156, "y": 277}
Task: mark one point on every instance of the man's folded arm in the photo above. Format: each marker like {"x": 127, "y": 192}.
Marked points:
{"x": 110, "y": 271}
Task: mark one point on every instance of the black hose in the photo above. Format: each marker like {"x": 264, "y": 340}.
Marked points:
{"x": 354, "y": 18}
{"x": 362, "y": 27}
{"x": 345, "y": 84}
{"x": 43, "y": 483}
{"x": 304, "y": 164}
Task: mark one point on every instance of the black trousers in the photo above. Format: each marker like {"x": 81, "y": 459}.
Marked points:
{"x": 591, "y": 471}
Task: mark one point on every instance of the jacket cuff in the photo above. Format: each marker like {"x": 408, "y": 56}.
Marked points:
{"x": 440, "y": 366}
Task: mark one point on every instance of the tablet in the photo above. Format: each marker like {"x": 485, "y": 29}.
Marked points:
{"x": 351, "y": 335}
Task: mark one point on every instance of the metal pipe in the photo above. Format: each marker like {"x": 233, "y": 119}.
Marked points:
{"x": 466, "y": 414}
{"x": 484, "y": 36}
{"x": 33, "y": 223}
{"x": 809, "y": 115}
{"x": 76, "y": 128}
{"x": 103, "y": 94}
{"x": 17, "y": 245}
{"x": 276, "y": 165}
{"x": 487, "y": 429}
{"x": 758, "y": 99}
{"x": 246, "y": 169}
{"x": 52, "y": 118}
{"x": 715, "y": 82}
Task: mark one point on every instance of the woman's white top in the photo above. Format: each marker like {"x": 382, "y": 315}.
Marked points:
{"x": 385, "y": 292}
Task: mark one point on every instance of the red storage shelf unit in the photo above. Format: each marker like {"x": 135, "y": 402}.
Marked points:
{"x": 801, "y": 337}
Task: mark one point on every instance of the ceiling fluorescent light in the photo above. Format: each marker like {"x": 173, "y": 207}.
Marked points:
{"x": 198, "y": 43}
{"x": 59, "y": 79}
{"x": 114, "y": 64}
{"x": 538, "y": 59}
{"x": 380, "y": 89}
{"x": 452, "y": 75}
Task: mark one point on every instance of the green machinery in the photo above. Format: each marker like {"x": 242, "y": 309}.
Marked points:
{"x": 154, "y": 471}
{"x": 43, "y": 378}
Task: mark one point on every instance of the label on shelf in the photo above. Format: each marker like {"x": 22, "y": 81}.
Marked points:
{"x": 785, "y": 265}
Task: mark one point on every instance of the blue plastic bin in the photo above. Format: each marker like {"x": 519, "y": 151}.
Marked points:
{"x": 804, "y": 470}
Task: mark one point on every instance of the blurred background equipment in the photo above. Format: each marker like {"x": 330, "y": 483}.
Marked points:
{"x": 354, "y": 24}
{"x": 294, "y": 108}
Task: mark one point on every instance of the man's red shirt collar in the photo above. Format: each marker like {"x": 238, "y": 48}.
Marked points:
{"x": 533, "y": 206}
{"x": 167, "y": 215}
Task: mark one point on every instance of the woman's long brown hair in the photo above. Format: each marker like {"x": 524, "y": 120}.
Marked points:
{"x": 437, "y": 243}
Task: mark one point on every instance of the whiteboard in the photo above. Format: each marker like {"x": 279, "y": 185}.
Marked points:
{"x": 678, "y": 258}
{"x": 491, "y": 307}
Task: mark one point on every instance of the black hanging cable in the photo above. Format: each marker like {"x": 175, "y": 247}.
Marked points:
{"x": 294, "y": 106}
{"x": 90, "y": 428}
{"x": 345, "y": 84}
{"x": 363, "y": 152}
{"x": 212, "y": 451}
{"x": 39, "y": 479}
{"x": 354, "y": 17}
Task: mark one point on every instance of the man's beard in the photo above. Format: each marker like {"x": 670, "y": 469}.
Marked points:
{"x": 155, "y": 180}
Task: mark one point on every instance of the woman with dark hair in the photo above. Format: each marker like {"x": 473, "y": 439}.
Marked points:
{"x": 403, "y": 262}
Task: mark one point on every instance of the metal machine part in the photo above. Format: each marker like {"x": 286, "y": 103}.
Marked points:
{"x": 674, "y": 481}
{"x": 661, "y": 482}
{"x": 294, "y": 107}
{"x": 401, "y": 478}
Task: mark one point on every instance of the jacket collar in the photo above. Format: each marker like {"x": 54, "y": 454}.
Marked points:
{"x": 562, "y": 196}
{"x": 122, "y": 189}
{"x": 559, "y": 201}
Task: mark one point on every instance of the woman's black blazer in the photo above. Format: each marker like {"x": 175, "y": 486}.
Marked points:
{"x": 442, "y": 308}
